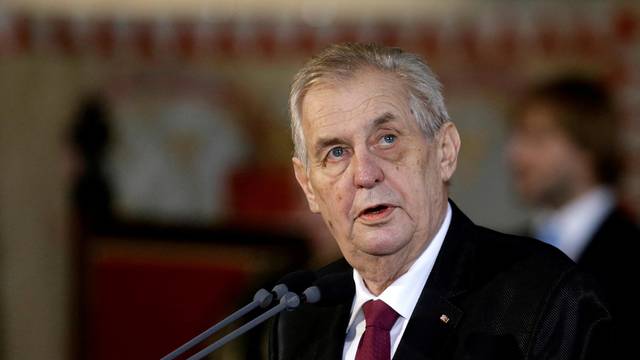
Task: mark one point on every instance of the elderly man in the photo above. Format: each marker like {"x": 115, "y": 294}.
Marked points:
{"x": 374, "y": 153}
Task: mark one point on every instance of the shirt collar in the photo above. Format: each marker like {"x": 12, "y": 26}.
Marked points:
{"x": 402, "y": 295}
{"x": 578, "y": 219}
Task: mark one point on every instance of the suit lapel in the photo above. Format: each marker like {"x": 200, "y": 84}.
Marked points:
{"x": 431, "y": 324}
{"x": 435, "y": 316}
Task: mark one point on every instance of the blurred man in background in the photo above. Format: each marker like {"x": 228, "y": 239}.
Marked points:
{"x": 564, "y": 159}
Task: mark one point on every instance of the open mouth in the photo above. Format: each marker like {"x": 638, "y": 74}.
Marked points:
{"x": 375, "y": 212}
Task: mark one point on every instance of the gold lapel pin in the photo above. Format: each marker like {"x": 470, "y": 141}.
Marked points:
{"x": 444, "y": 318}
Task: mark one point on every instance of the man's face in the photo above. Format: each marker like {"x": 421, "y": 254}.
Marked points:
{"x": 373, "y": 175}
{"x": 544, "y": 162}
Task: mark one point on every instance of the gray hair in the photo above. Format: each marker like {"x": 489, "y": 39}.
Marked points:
{"x": 341, "y": 62}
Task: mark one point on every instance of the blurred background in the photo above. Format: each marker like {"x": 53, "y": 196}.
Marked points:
{"x": 145, "y": 181}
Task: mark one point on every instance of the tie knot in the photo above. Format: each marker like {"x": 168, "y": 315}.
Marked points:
{"x": 380, "y": 315}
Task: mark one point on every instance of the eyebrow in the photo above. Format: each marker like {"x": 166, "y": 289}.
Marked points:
{"x": 323, "y": 143}
{"x": 383, "y": 119}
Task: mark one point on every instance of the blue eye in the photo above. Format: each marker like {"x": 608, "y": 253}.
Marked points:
{"x": 337, "y": 151}
{"x": 389, "y": 139}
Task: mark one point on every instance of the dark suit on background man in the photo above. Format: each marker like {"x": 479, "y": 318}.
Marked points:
{"x": 505, "y": 297}
{"x": 610, "y": 256}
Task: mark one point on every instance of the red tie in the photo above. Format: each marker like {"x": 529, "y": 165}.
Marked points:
{"x": 375, "y": 343}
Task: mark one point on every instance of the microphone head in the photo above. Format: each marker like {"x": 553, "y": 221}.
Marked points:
{"x": 290, "y": 300}
{"x": 331, "y": 290}
{"x": 294, "y": 282}
{"x": 263, "y": 298}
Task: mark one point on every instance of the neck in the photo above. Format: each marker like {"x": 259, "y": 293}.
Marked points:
{"x": 379, "y": 272}
{"x": 579, "y": 181}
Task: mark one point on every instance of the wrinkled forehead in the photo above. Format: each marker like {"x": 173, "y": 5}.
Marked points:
{"x": 365, "y": 91}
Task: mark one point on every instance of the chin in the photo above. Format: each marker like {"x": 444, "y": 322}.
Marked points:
{"x": 527, "y": 194}
{"x": 380, "y": 244}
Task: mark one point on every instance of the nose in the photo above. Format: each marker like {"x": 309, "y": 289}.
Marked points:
{"x": 366, "y": 170}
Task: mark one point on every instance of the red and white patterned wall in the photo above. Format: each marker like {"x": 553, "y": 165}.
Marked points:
{"x": 611, "y": 36}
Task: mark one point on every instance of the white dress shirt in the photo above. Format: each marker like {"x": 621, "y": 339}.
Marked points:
{"x": 575, "y": 223}
{"x": 402, "y": 295}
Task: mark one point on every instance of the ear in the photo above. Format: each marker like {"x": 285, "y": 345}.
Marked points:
{"x": 448, "y": 148}
{"x": 305, "y": 184}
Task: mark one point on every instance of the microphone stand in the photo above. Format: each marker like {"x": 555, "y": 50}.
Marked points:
{"x": 295, "y": 281}
{"x": 287, "y": 302}
{"x": 262, "y": 298}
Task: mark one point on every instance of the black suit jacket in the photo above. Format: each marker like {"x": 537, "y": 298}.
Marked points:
{"x": 610, "y": 256}
{"x": 505, "y": 297}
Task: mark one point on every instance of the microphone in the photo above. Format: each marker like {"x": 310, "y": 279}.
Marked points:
{"x": 328, "y": 290}
{"x": 296, "y": 281}
{"x": 262, "y": 298}
{"x": 288, "y": 301}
